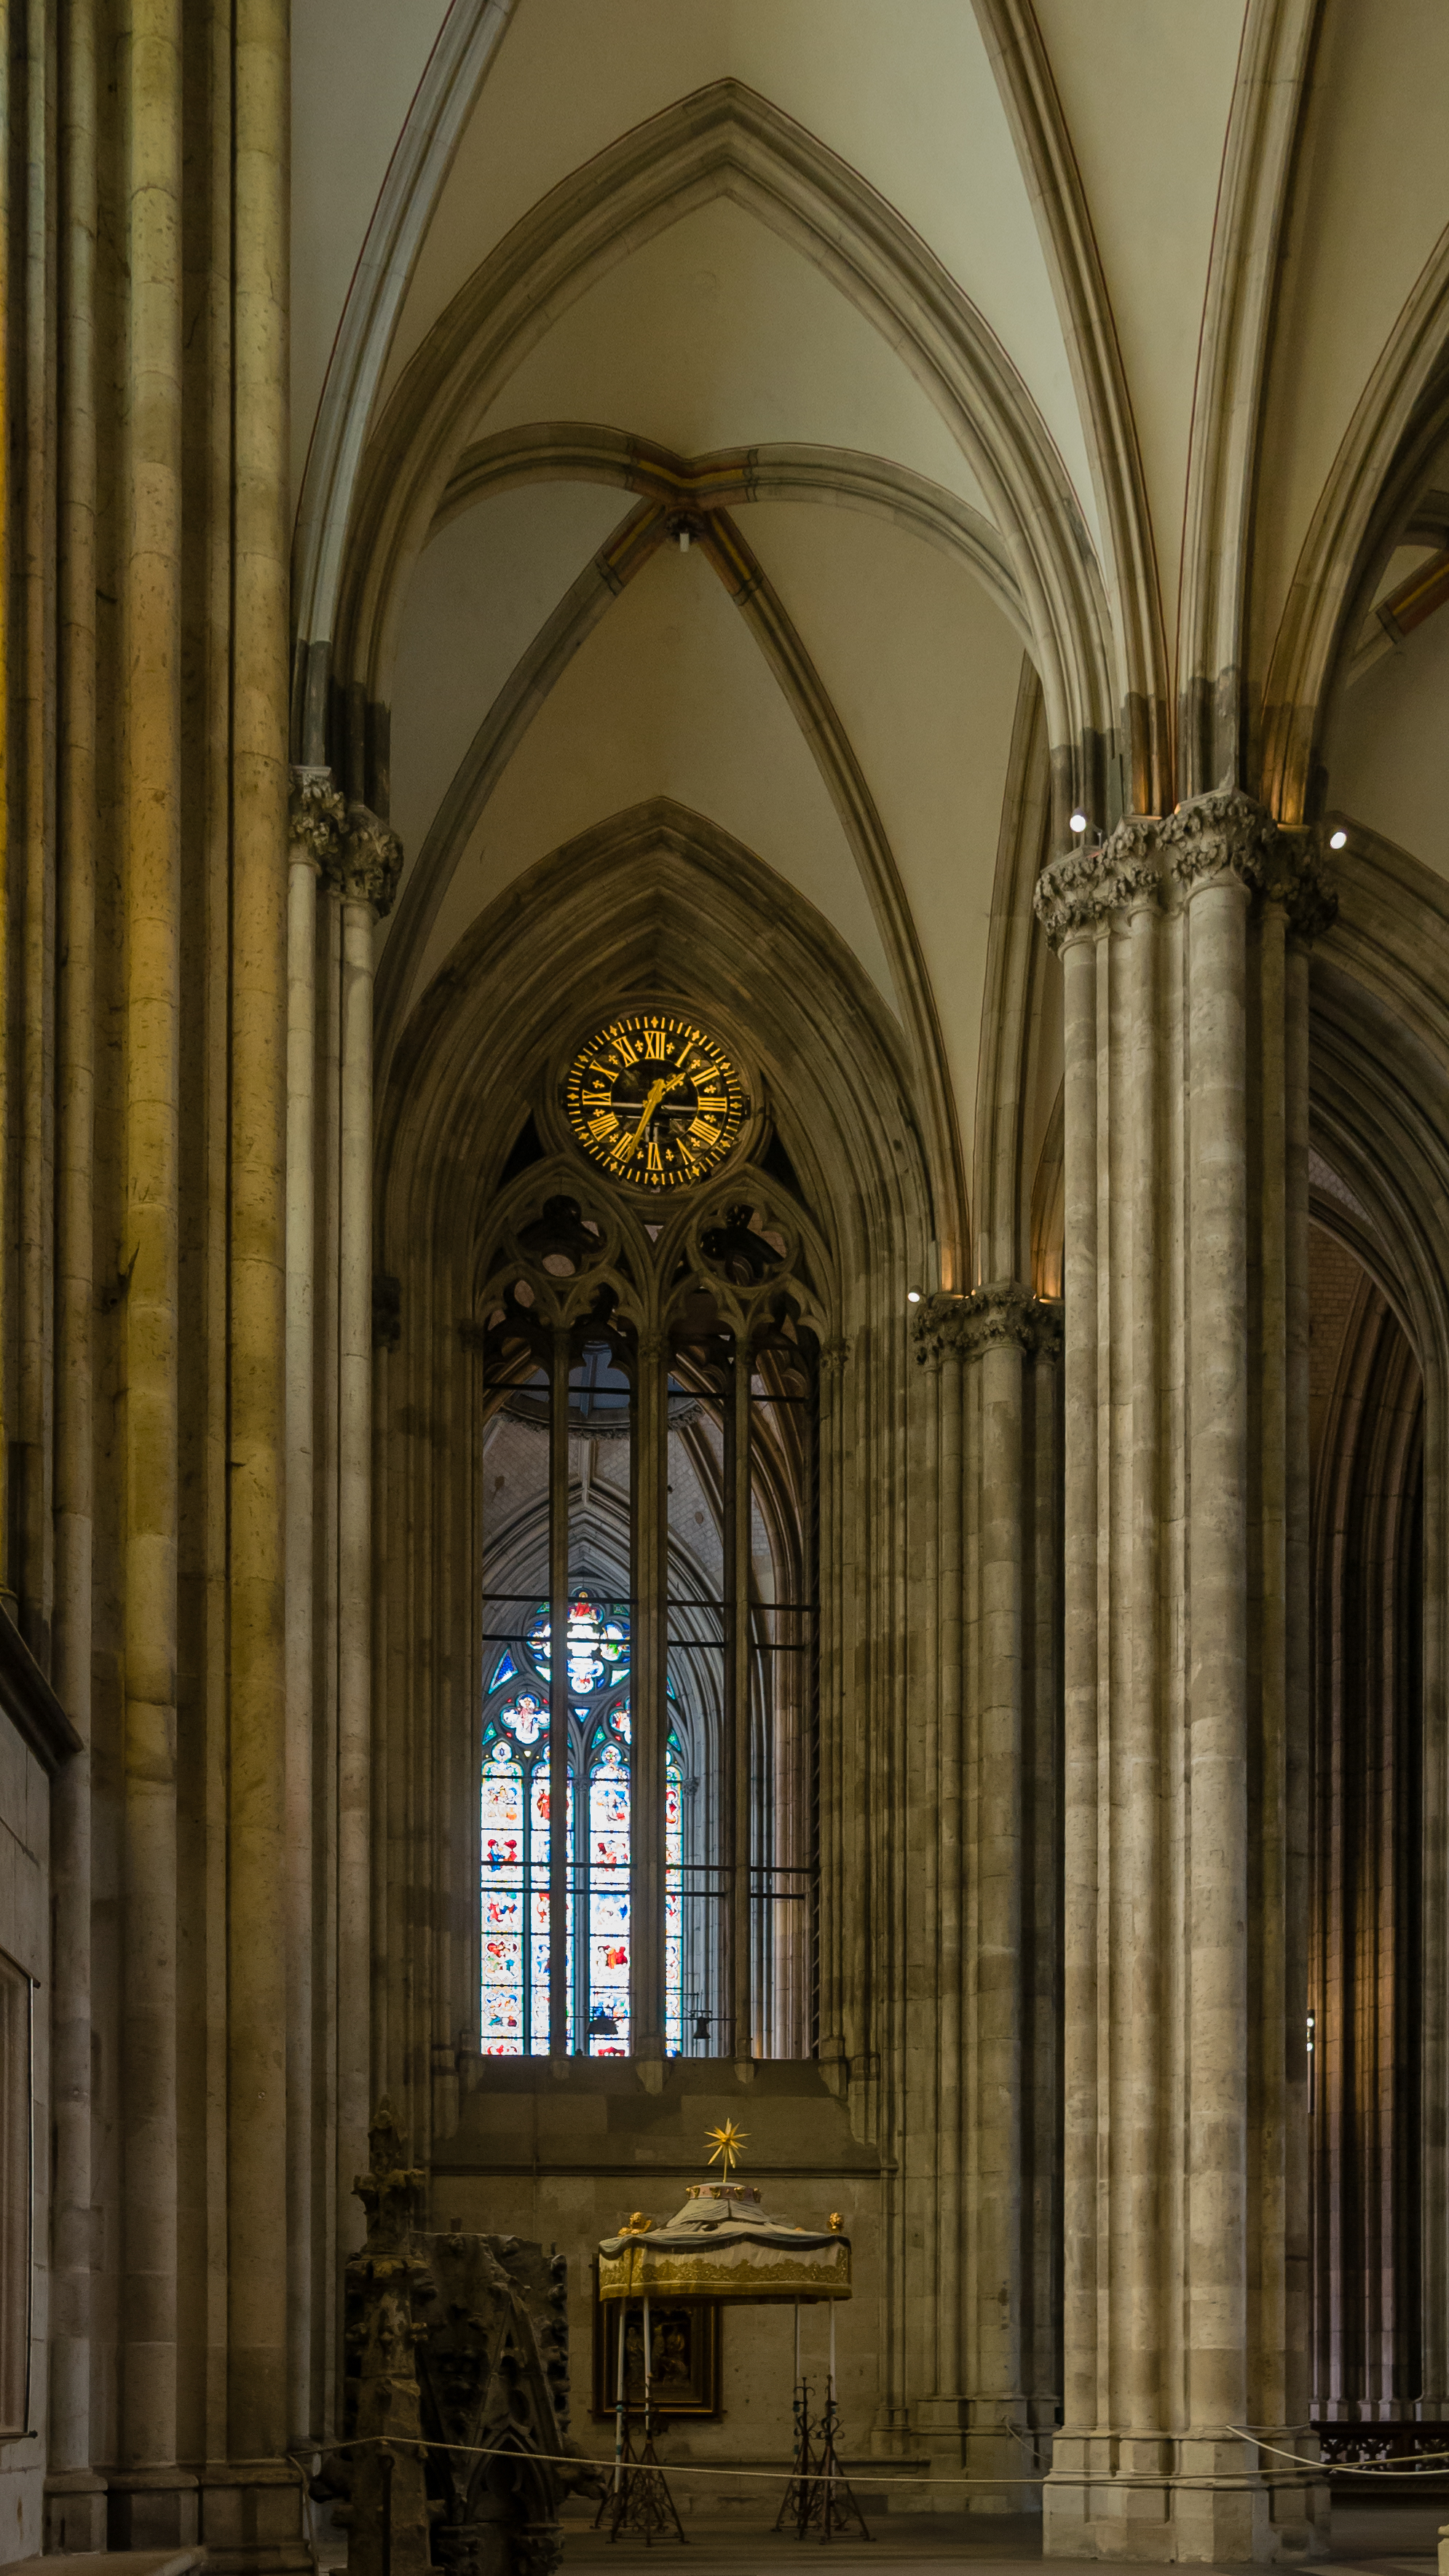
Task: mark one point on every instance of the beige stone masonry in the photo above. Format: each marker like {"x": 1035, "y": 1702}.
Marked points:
{"x": 1183, "y": 944}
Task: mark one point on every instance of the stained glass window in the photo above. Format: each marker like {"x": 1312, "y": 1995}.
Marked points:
{"x": 597, "y": 1646}
{"x": 516, "y": 1830}
{"x": 608, "y": 1962}
{"x": 674, "y": 1898}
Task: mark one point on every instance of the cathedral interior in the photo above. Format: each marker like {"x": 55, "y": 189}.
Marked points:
{"x": 724, "y": 1305}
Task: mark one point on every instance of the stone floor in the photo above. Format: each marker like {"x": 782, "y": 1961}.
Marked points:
{"x": 1374, "y": 2539}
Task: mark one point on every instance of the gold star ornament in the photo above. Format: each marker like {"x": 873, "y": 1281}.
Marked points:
{"x": 729, "y": 2145}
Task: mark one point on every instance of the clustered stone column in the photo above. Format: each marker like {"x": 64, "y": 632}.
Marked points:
{"x": 984, "y": 2052}
{"x": 1184, "y": 949}
{"x": 345, "y": 864}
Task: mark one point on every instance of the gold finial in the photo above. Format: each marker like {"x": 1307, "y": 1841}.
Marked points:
{"x": 728, "y": 2148}
{"x": 835, "y": 2222}
{"x": 636, "y": 2224}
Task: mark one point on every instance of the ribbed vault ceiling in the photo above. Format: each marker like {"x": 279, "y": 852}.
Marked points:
{"x": 1091, "y": 237}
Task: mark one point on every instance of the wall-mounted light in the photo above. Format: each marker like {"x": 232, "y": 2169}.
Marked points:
{"x": 1338, "y": 840}
{"x": 1077, "y": 822}
{"x": 913, "y": 1296}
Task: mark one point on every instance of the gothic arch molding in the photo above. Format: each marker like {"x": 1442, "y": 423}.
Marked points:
{"x": 657, "y": 903}
{"x": 726, "y": 140}
{"x": 1379, "y": 1073}
{"x": 1402, "y": 416}
{"x": 507, "y": 720}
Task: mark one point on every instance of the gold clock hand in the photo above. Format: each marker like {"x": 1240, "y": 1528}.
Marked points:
{"x": 655, "y": 1094}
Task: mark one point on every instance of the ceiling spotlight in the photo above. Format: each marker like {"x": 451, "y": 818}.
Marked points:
{"x": 1077, "y": 821}
{"x": 913, "y": 1296}
{"x": 1338, "y": 840}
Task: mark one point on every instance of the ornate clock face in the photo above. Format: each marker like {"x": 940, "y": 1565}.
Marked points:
{"x": 655, "y": 1100}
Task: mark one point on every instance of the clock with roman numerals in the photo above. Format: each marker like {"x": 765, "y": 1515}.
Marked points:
{"x": 654, "y": 1099}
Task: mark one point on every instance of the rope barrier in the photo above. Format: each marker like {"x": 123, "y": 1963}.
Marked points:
{"x": 674, "y": 2468}
{"x": 1337, "y": 2468}
{"x": 1310, "y": 2469}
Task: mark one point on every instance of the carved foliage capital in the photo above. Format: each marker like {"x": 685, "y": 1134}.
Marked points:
{"x": 316, "y": 814}
{"x": 1083, "y": 888}
{"x": 1298, "y": 879}
{"x": 368, "y": 861}
{"x": 988, "y": 1319}
{"x": 1220, "y": 838}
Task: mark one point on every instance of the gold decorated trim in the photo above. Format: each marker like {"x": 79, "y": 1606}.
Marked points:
{"x": 760, "y": 2276}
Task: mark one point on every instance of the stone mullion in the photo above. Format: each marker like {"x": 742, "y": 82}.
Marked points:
{"x": 834, "y": 2045}
{"x": 453, "y": 2010}
{"x": 648, "y": 1703}
{"x": 560, "y": 1961}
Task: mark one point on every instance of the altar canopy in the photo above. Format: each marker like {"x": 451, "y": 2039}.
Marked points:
{"x": 723, "y": 2245}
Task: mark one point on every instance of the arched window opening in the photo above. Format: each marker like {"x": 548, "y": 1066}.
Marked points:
{"x": 1365, "y": 1982}
{"x": 649, "y": 1489}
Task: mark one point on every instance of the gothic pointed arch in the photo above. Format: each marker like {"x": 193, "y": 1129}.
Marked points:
{"x": 1379, "y": 1072}
{"x": 655, "y": 907}
{"x": 775, "y": 634}
{"x": 727, "y": 140}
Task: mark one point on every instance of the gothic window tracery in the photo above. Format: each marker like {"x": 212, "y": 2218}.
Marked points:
{"x": 649, "y": 1492}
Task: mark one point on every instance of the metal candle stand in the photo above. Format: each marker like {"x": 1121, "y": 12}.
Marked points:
{"x": 818, "y": 2497}
{"x": 639, "y": 2499}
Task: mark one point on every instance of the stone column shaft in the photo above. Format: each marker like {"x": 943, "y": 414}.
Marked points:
{"x": 365, "y": 874}
{"x": 974, "y": 2199}
{"x": 313, "y": 834}
{"x": 75, "y": 2495}
{"x": 258, "y": 1783}
{"x": 1181, "y": 2129}
{"x": 151, "y": 823}
{"x": 950, "y": 1675}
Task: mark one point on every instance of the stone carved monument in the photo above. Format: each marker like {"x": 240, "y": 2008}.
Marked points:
{"x": 456, "y": 2450}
